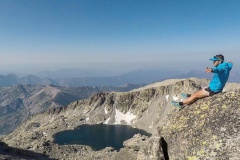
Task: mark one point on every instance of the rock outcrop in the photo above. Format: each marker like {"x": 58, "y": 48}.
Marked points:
{"x": 207, "y": 129}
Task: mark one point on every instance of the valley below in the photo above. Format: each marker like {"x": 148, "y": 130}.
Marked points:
{"x": 18, "y": 103}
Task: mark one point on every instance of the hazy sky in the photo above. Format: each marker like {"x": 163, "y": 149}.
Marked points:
{"x": 123, "y": 34}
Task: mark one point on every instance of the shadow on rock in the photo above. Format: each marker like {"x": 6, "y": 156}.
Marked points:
{"x": 164, "y": 146}
{"x": 7, "y": 152}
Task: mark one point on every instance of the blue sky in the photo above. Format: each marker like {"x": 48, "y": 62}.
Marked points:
{"x": 118, "y": 34}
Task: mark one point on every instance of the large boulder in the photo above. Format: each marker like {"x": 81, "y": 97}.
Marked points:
{"x": 207, "y": 129}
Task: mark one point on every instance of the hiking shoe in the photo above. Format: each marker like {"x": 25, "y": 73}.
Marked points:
{"x": 185, "y": 96}
{"x": 176, "y": 104}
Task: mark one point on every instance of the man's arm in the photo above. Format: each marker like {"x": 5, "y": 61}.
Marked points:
{"x": 221, "y": 68}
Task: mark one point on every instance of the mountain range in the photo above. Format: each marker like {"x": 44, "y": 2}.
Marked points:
{"x": 17, "y": 103}
{"x": 135, "y": 77}
{"x": 206, "y": 129}
{"x": 26, "y": 103}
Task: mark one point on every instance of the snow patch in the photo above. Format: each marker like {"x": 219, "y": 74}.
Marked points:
{"x": 44, "y": 134}
{"x": 86, "y": 111}
{"x": 167, "y": 96}
{"x": 175, "y": 98}
{"x": 106, "y": 122}
{"x": 106, "y": 112}
{"x": 151, "y": 126}
{"x": 128, "y": 117}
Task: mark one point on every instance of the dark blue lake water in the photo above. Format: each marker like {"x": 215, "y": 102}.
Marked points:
{"x": 98, "y": 136}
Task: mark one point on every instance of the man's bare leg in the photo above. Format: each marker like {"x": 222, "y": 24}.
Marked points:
{"x": 200, "y": 94}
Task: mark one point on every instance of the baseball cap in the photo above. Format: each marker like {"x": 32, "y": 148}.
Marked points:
{"x": 216, "y": 59}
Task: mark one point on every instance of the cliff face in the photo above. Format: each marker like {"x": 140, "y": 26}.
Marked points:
{"x": 207, "y": 129}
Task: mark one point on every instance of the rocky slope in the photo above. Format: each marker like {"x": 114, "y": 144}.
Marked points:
{"x": 19, "y": 102}
{"x": 207, "y": 129}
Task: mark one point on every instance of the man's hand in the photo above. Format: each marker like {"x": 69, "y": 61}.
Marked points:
{"x": 208, "y": 70}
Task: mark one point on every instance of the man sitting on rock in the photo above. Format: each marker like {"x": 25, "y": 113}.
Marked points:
{"x": 221, "y": 72}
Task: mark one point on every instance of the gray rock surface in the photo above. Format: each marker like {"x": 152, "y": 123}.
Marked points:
{"x": 207, "y": 129}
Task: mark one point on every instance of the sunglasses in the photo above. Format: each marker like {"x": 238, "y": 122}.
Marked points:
{"x": 218, "y": 59}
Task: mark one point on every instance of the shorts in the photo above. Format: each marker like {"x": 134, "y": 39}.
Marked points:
{"x": 210, "y": 91}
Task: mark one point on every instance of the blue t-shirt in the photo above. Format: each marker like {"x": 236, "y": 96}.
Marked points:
{"x": 221, "y": 74}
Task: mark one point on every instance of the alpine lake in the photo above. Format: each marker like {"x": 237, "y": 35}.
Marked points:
{"x": 98, "y": 136}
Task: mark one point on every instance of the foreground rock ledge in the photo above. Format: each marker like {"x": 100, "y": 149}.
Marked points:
{"x": 207, "y": 129}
